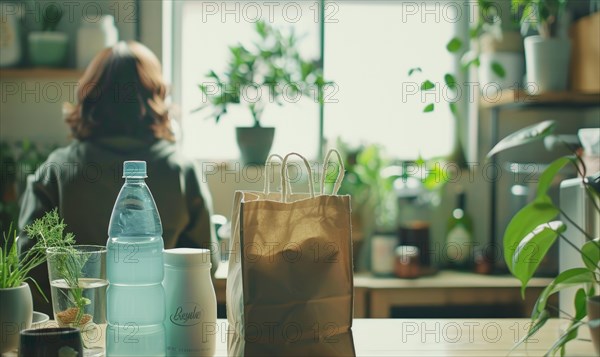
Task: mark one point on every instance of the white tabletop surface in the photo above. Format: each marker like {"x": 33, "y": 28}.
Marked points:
{"x": 445, "y": 337}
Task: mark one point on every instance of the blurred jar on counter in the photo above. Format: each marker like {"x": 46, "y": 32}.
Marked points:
{"x": 407, "y": 264}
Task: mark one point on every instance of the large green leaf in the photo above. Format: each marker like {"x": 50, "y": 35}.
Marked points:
{"x": 550, "y": 172}
{"x": 590, "y": 254}
{"x": 540, "y": 211}
{"x": 566, "y": 279}
{"x": 524, "y": 136}
{"x": 532, "y": 249}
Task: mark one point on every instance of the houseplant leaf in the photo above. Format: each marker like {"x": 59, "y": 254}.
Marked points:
{"x": 569, "y": 335}
{"x": 580, "y": 304}
{"x": 524, "y": 136}
{"x": 454, "y": 45}
{"x": 550, "y": 172}
{"x": 414, "y": 70}
{"x": 427, "y": 85}
{"x": 566, "y": 279}
{"x": 590, "y": 254}
{"x": 498, "y": 69}
{"x": 535, "y": 326}
{"x": 540, "y": 211}
{"x": 450, "y": 81}
{"x": 470, "y": 58}
{"x": 429, "y": 108}
{"x": 453, "y": 108}
{"x": 532, "y": 249}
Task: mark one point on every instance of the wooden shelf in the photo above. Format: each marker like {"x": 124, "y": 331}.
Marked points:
{"x": 508, "y": 98}
{"x": 40, "y": 73}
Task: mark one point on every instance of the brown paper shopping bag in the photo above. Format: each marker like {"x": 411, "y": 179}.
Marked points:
{"x": 290, "y": 285}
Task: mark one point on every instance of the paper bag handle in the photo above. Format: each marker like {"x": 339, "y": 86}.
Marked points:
{"x": 340, "y": 176}
{"x": 285, "y": 177}
{"x": 267, "y": 187}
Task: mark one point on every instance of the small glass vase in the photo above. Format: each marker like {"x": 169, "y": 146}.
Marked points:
{"x": 78, "y": 286}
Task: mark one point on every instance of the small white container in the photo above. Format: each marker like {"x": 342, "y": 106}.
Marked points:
{"x": 382, "y": 254}
{"x": 93, "y": 37}
{"x": 191, "y": 322}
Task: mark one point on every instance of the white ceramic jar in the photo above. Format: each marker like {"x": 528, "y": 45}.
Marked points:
{"x": 93, "y": 36}
{"x": 191, "y": 303}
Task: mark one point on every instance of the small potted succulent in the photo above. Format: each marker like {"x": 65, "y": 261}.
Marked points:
{"x": 48, "y": 47}
{"x": 535, "y": 228}
{"x": 268, "y": 72}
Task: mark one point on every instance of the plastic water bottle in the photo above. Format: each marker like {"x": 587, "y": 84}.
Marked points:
{"x": 134, "y": 267}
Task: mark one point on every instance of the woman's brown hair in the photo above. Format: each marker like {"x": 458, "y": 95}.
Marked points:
{"x": 122, "y": 92}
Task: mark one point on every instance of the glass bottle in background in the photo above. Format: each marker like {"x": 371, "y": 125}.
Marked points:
{"x": 459, "y": 237}
{"x": 135, "y": 296}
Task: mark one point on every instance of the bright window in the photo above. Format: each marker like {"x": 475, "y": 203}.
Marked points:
{"x": 368, "y": 52}
{"x": 369, "y": 48}
{"x": 208, "y": 28}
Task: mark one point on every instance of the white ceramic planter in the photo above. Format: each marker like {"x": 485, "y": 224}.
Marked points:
{"x": 547, "y": 61}
{"x": 16, "y": 312}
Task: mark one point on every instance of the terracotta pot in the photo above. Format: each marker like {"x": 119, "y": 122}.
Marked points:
{"x": 16, "y": 312}
{"x": 593, "y": 310}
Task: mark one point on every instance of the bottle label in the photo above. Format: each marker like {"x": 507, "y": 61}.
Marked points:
{"x": 187, "y": 314}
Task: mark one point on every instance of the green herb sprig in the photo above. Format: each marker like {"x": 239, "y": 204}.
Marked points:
{"x": 46, "y": 232}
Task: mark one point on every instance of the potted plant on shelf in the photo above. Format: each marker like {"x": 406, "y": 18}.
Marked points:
{"x": 547, "y": 55}
{"x": 271, "y": 71}
{"x": 16, "y": 310}
{"x": 533, "y": 230}
{"x": 48, "y": 47}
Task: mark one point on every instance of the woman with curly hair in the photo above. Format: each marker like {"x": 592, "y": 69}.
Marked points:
{"x": 120, "y": 115}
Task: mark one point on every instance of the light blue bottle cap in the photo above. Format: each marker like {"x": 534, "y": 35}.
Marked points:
{"x": 134, "y": 169}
